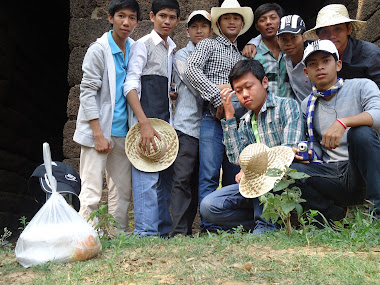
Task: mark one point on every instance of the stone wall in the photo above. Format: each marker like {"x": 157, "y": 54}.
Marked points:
{"x": 88, "y": 22}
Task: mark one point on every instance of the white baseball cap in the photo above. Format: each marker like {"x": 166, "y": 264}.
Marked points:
{"x": 320, "y": 45}
{"x": 203, "y": 13}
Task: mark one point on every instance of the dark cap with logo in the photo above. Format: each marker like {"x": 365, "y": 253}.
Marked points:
{"x": 68, "y": 182}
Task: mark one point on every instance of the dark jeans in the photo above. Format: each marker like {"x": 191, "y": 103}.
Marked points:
{"x": 184, "y": 195}
{"x": 212, "y": 156}
{"x": 344, "y": 183}
{"x": 227, "y": 208}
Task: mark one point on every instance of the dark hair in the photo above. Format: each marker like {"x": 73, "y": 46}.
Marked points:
{"x": 198, "y": 18}
{"x": 332, "y": 54}
{"x": 159, "y": 5}
{"x": 317, "y": 31}
{"x": 265, "y": 8}
{"x": 244, "y": 66}
{"x": 116, "y": 5}
{"x": 236, "y": 14}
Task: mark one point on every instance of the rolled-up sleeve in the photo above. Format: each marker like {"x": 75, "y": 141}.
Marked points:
{"x": 370, "y": 100}
{"x": 136, "y": 63}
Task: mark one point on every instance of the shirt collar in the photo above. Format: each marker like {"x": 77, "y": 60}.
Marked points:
{"x": 347, "y": 56}
{"x": 157, "y": 39}
{"x": 269, "y": 103}
{"x": 114, "y": 47}
{"x": 190, "y": 47}
{"x": 266, "y": 50}
{"x": 225, "y": 41}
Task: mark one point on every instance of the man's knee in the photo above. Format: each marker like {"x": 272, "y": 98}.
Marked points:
{"x": 207, "y": 208}
{"x": 360, "y": 135}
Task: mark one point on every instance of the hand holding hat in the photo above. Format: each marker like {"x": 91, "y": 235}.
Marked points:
{"x": 150, "y": 159}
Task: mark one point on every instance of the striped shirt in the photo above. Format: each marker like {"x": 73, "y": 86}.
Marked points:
{"x": 188, "y": 106}
{"x": 209, "y": 65}
{"x": 279, "y": 123}
{"x": 275, "y": 70}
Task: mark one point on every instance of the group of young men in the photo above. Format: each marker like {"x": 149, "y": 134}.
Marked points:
{"x": 220, "y": 101}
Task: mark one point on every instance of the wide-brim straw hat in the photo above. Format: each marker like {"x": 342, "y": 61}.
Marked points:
{"x": 255, "y": 160}
{"x": 330, "y": 15}
{"x": 156, "y": 160}
{"x": 231, "y": 7}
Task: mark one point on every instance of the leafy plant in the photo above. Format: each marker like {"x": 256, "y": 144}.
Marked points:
{"x": 105, "y": 221}
{"x": 278, "y": 207}
{"x": 4, "y": 236}
{"x": 23, "y": 223}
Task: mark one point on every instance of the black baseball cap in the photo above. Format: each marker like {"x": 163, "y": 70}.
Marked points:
{"x": 68, "y": 182}
{"x": 292, "y": 24}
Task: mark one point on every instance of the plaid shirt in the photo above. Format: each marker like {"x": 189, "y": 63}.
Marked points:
{"x": 275, "y": 70}
{"x": 209, "y": 65}
{"x": 279, "y": 123}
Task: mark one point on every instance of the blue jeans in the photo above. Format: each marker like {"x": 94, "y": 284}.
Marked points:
{"x": 212, "y": 156}
{"x": 228, "y": 208}
{"x": 344, "y": 183}
{"x": 151, "y": 201}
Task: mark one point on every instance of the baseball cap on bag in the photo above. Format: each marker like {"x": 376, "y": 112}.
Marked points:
{"x": 68, "y": 182}
{"x": 320, "y": 45}
{"x": 292, "y": 24}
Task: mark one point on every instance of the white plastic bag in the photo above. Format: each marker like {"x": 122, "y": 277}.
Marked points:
{"x": 56, "y": 233}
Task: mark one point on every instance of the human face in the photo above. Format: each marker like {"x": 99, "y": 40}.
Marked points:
{"x": 124, "y": 22}
{"x": 250, "y": 92}
{"x": 322, "y": 70}
{"x": 291, "y": 44}
{"x": 338, "y": 34}
{"x": 164, "y": 22}
{"x": 199, "y": 30}
{"x": 230, "y": 25}
{"x": 267, "y": 24}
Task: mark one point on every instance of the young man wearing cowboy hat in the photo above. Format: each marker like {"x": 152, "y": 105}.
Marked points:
{"x": 187, "y": 121}
{"x": 360, "y": 59}
{"x": 343, "y": 121}
{"x": 271, "y": 121}
{"x": 207, "y": 70}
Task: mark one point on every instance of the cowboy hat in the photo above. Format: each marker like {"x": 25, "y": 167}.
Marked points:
{"x": 231, "y": 7}
{"x": 255, "y": 160}
{"x": 330, "y": 15}
{"x": 167, "y": 147}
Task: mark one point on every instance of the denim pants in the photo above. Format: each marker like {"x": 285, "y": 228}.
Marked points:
{"x": 212, "y": 156}
{"x": 226, "y": 207}
{"x": 151, "y": 201}
{"x": 344, "y": 183}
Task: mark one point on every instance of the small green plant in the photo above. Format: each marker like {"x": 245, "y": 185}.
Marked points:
{"x": 4, "y": 236}
{"x": 278, "y": 207}
{"x": 23, "y": 223}
{"x": 105, "y": 221}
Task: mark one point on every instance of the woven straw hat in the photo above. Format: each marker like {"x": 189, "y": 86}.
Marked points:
{"x": 255, "y": 160}
{"x": 330, "y": 15}
{"x": 232, "y": 7}
{"x": 167, "y": 147}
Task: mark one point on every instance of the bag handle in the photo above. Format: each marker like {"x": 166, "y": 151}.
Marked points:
{"x": 48, "y": 167}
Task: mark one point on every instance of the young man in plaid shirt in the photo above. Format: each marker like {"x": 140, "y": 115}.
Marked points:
{"x": 207, "y": 71}
{"x": 268, "y": 53}
{"x": 271, "y": 120}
